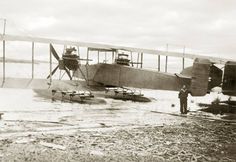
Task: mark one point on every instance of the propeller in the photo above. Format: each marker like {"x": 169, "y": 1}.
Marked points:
{"x": 68, "y": 73}
{"x": 54, "y": 53}
{"x": 53, "y": 71}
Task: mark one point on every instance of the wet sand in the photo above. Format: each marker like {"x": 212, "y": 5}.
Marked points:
{"x": 185, "y": 140}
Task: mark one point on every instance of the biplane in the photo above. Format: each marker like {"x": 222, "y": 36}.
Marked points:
{"x": 200, "y": 78}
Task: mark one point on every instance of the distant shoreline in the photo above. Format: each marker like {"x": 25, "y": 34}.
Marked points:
{"x": 22, "y": 61}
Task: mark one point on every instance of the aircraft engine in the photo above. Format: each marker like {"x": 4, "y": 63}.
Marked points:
{"x": 229, "y": 80}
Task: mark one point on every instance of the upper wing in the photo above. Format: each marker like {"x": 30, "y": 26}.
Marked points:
{"x": 106, "y": 47}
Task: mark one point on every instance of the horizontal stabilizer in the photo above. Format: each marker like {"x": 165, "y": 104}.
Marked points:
{"x": 182, "y": 76}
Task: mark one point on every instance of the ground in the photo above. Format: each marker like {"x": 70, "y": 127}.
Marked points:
{"x": 191, "y": 139}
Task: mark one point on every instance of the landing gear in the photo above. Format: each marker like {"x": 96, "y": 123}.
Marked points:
{"x": 71, "y": 96}
{"x": 77, "y": 96}
{"x": 53, "y": 94}
{"x": 125, "y": 94}
{"x": 63, "y": 93}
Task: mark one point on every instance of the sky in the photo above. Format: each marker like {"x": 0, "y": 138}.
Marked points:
{"x": 206, "y": 27}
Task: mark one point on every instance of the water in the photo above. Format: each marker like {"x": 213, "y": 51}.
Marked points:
{"x": 21, "y": 104}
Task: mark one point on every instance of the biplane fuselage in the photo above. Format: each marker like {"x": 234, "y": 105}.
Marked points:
{"x": 126, "y": 76}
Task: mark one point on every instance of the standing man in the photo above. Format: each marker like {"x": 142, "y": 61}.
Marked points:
{"x": 183, "y": 96}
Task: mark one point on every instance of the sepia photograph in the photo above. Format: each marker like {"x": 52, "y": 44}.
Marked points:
{"x": 117, "y": 80}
